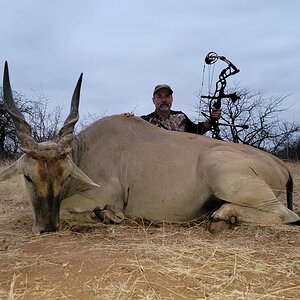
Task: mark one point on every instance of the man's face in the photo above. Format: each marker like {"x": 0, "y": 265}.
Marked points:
{"x": 163, "y": 100}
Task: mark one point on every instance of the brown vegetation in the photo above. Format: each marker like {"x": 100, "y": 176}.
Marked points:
{"x": 138, "y": 260}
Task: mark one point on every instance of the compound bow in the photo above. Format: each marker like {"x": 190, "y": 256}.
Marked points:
{"x": 219, "y": 94}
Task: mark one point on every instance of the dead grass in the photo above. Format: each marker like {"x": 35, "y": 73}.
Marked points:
{"x": 137, "y": 260}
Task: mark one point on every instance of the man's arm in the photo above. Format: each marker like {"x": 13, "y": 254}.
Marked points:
{"x": 201, "y": 127}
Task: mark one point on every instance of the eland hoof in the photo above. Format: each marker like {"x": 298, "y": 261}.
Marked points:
{"x": 217, "y": 225}
{"x": 108, "y": 215}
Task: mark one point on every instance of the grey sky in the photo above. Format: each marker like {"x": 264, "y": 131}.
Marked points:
{"x": 126, "y": 47}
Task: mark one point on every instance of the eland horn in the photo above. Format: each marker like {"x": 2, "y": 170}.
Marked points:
{"x": 23, "y": 129}
{"x": 66, "y": 132}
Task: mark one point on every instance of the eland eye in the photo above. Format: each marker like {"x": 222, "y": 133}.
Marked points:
{"x": 28, "y": 178}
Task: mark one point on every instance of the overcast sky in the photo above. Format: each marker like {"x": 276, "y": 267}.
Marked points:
{"x": 126, "y": 47}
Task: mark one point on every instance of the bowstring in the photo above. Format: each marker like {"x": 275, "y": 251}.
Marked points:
{"x": 201, "y": 92}
{"x": 210, "y": 77}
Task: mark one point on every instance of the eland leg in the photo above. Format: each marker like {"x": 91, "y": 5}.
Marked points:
{"x": 229, "y": 214}
{"x": 92, "y": 207}
{"x": 249, "y": 199}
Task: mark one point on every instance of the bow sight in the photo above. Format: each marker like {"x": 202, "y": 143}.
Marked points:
{"x": 219, "y": 94}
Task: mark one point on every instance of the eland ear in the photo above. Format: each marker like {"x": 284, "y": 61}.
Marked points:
{"x": 78, "y": 174}
{"x": 13, "y": 170}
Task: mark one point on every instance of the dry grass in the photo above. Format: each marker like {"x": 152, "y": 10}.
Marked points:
{"x": 137, "y": 260}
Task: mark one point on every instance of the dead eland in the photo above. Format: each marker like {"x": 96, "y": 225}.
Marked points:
{"x": 125, "y": 166}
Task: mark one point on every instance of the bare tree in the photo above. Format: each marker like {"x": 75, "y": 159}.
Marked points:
{"x": 45, "y": 124}
{"x": 290, "y": 150}
{"x": 9, "y": 143}
{"x": 260, "y": 115}
{"x": 86, "y": 120}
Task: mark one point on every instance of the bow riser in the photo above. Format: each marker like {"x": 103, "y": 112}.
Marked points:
{"x": 219, "y": 94}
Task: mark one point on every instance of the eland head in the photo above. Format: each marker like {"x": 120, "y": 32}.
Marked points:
{"x": 46, "y": 166}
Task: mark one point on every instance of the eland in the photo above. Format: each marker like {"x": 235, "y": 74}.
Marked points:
{"x": 120, "y": 166}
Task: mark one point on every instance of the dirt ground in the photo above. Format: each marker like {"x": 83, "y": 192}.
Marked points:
{"x": 138, "y": 260}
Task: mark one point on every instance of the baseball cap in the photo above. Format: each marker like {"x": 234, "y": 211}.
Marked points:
{"x": 162, "y": 86}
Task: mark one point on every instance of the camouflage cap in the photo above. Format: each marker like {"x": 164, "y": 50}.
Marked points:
{"x": 162, "y": 86}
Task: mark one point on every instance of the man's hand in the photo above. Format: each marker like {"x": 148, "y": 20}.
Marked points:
{"x": 128, "y": 114}
{"x": 216, "y": 113}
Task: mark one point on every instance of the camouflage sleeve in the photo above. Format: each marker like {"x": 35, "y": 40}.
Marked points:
{"x": 147, "y": 117}
{"x": 192, "y": 127}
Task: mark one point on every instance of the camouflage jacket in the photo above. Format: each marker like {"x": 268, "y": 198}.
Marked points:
{"x": 177, "y": 121}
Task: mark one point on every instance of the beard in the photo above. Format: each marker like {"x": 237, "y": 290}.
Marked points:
{"x": 164, "y": 107}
